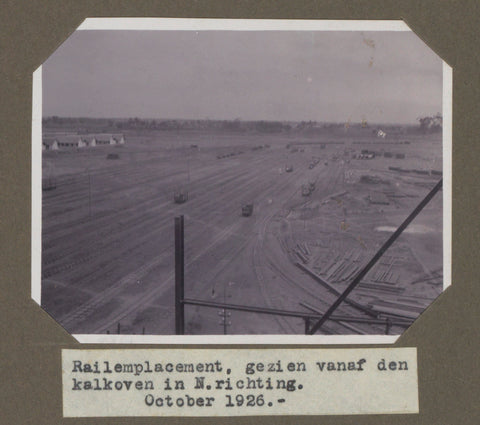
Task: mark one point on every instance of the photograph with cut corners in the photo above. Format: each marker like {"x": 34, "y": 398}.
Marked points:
{"x": 241, "y": 182}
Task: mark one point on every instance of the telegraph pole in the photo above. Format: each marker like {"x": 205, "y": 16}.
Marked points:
{"x": 223, "y": 313}
{"x": 179, "y": 277}
{"x": 89, "y": 195}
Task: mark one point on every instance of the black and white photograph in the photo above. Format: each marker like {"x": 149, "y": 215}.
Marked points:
{"x": 242, "y": 182}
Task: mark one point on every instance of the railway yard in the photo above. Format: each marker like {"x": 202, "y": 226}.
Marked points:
{"x": 321, "y": 207}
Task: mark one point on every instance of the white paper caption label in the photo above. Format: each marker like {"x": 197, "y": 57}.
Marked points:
{"x": 217, "y": 382}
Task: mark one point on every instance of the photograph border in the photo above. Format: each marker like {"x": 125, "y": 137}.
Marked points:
{"x": 193, "y": 24}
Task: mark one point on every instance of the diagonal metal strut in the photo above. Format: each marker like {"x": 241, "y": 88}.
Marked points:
{"x": 375, "y": 258}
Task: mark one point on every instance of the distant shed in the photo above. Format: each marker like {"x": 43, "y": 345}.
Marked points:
{"x": 50, "y": 145}
{"x": 72, "y": 141}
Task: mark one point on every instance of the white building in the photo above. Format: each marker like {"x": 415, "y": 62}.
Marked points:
{"x": 50, "y": 146}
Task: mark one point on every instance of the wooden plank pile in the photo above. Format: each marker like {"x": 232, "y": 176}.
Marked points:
{"x": 342, "y": 267}
{"x": 332, "y": 289}
{"x": 302, "y": 251}
{"x": 379, "y": 293}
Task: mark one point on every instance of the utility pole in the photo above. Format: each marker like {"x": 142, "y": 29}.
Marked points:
{"x": 179, "y": 277}
{"x": 89, "y": 195}
{"x": 223, "y": 313}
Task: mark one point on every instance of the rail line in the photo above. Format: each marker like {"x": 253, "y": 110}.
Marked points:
{"x": 142, "y": 218}
{"x": 89, "y": 307}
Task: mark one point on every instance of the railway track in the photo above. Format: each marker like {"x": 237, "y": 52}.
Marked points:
{"x": 105, "y": 296}
{"x": 91, "y": 225}
{"x": 258, "y": 261}
{"x": 157, "y": 290}
{"x": 132, "y": 224}
{"x": 95, "y": 303}
{"x": 142, "y": 218}
{"x": 167, "y": 190}
{"x": 302, "y": 286}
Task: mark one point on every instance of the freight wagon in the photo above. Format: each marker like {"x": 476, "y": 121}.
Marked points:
{"x": 247, "y": 210}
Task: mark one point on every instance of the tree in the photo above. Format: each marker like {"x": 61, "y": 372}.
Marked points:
{"x": 431, "y": 124}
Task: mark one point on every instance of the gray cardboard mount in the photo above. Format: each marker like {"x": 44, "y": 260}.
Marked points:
{"x": 446, "y": 336}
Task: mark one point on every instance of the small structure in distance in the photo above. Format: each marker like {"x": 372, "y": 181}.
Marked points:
{"x": 247, "y": 210}
{"x": 180, "y": 197}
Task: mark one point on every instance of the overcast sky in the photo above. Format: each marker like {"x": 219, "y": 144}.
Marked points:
{"x": 384, "y": 77}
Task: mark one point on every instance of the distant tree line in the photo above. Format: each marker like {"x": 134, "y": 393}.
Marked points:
{"x": 85, "y": 125}
{"x": 431, "y": 124}
{"x": 229, "y": 125}
{"x": 168, "y": 124}
{"x": 237, "y": 125}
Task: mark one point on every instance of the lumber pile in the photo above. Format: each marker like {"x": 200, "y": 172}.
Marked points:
{"x": 302, "y": 251}
{"x": 333, "y": 290}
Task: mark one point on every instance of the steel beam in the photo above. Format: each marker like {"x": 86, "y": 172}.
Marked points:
{"x": 289, "y": 313}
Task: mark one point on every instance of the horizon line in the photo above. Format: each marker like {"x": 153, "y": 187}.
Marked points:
{"x": 351, "y": 122}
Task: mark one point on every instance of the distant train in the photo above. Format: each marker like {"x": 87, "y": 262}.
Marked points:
{"x": 247, "y": 210}
{"x": 180, "y": 197}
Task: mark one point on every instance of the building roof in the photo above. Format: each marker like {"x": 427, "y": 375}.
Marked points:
{"x": 72, "y": 139}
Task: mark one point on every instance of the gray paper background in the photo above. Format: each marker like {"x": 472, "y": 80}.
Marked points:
{"x": 446, "y": 335}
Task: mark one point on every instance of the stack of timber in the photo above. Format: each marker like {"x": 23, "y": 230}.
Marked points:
{"x": 380, "y": 287}
{"x": 342, "y": 267}
{"x": 351, "y": 319}
{"x": 302, "y": 251}
{"x": 333, "y": 290}
{"x": 401, "y": 306}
